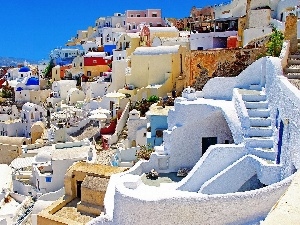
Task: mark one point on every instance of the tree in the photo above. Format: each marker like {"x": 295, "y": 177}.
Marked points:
{"x": 48, "y": 70}
{"x": 275, "y": 43}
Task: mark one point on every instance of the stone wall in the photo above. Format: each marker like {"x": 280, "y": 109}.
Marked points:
{"x": 291, "y": 32}
{"x": 203, "y": 65}
{"x": 9, "y": 153}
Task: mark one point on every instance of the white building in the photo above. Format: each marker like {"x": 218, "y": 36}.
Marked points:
{"x": 74, "y": 95}
{"x": 49, "y": 166}
{"x": 12, "y": 73}
{"x": 242, "y": 149}
{"x": 65, "y": 53}
{"x": 12, "y": 205}
{"x": 60, "y": 91}
{"x": 30, "y": 114}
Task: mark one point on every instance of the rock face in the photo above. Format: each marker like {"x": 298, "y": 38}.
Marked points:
{"x": 203, "y": 65}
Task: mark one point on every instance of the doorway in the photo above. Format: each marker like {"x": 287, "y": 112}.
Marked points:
{"x": 78, "y": 188}
{"x": 208, "y": 141}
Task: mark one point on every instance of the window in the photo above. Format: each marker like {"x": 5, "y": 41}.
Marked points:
{"x": 48, "y": 179}
{"x": 145, "y": 134}
{"x": 154, "y": 14}
{"x": 138, "y": 15}
{"x": 131, "y": 15}
{"x": 89, "y": 73}
{"x": 150, "y": 24}
{"x": 159, "y": 133}
{"x": 94, "y": 61}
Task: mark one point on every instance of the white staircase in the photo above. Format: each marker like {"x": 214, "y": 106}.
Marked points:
{"x": 258, "y": 137}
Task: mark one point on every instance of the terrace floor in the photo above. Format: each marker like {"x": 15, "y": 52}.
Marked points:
{"x": 162, "y": 178}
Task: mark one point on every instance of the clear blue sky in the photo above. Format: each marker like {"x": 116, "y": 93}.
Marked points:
{"x": 32, "y": 28}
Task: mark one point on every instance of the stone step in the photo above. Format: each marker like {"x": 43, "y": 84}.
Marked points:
{"x": 293, "y": 61}
{"x": 254, "y": 97}
{"x": 293, "y": 75}
{"x": 293, "y": 69}
{"x": 256, "y": 105}
{"x": 294, "y": 57}
{"x": 259, "y": 113}
{"x": 260, "y": 132}
{"x": 260, "y": 122}
{"x": 256, "y": 87}
{"x": 265, "y": 153}
{"x": 259, "y": 142}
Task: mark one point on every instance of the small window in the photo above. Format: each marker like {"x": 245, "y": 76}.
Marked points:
{"x": 159, "y": 133}
{"x": 131, "y": 15}
{"x": 145, "y": 134}
{"x": 154, "y": 14}
{"x": 94, "y": 61}
{"x": 48, "y": 179}
{"x": 138, "y": 15}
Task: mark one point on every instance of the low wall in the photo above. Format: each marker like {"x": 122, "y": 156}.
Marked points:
{"x": 251, "y": 75}
{"x": 203, "y": 170}
{"x": 176, "y": 207}
{"x": 52, "y": 196}
{"x": 120, "y": 125}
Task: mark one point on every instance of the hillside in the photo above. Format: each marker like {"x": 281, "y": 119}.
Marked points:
{"x": 11, "y": 61}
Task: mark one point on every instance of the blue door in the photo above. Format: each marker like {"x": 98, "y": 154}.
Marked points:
{"x": 281, "y": 127}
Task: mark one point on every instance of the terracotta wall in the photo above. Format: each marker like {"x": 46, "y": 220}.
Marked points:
{"x": 203, "y": 65}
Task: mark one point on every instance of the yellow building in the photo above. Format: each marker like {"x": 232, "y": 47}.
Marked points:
{"x": 11, "y": 148}
{"x": 159, "y": 69}
{"x": 85, "y": 188}
{"x": 128, "y": 42}
{"x": 58, "y": 72}
{"x": 148, "y": 33}
{"x": 95, "y": 63}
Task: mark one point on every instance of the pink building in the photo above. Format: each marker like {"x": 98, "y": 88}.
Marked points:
{"x": 134, "y": 19}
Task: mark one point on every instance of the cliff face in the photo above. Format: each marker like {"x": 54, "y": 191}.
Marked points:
{"x": 203, "y": 65}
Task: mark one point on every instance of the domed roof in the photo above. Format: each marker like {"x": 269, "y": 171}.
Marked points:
{"x": 24, "y": 69}
{"x": 32, "y": 81}
{"x": 42, "y": 157}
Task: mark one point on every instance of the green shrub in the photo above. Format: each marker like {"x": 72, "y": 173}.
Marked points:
{"x": 275, "y": 43}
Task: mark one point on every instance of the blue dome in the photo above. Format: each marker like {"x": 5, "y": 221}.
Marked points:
{"x": 24, "y": 69}
{"x": 19, "y": 89}
{"x": 32, "y": 81}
